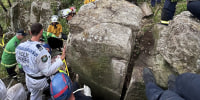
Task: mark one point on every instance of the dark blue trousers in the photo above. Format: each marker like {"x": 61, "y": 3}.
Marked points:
{"x": 194, "y": 8}
{"x": 153, "y": 92}
{"x": 153, "y": 2}
{"x": 168, "y": 10}
{"x": 187, "y": 87}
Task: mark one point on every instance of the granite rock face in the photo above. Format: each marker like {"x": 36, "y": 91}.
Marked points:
{"x": 100, "y": 43}
{"x": 179, "y": 44}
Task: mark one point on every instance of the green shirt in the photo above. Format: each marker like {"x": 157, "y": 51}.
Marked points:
{"x": 8, "y": 57}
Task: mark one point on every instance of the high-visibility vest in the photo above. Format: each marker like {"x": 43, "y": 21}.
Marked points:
{"x": 8, "y": 57}
{"x": 88, "y": 1}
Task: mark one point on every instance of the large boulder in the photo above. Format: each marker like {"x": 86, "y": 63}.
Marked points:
{"x": 19, "y": 17}
{"x": 100, "y": 43}
{"x": 35, "y": 12}
{"x": 179, "y": 43}
{"x": 45, "y": 14}
{"x": 23, "y": 14}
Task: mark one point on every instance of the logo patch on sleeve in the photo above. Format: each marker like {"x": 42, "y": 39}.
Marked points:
{"x": 44, "y": 58}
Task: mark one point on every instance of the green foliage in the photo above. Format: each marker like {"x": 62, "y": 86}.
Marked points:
{"x": 182, "y": 6}
{"x": 65, "y": 26}
{"x": 69, "y": 3}
{"x": 3, "y": 72}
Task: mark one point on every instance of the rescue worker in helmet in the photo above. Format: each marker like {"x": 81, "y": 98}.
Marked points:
{"x": 62, "y": 88}
{"x": 8, "y": 59}
{"x": 55, "y": 27}
{"x": 68, "y": 13}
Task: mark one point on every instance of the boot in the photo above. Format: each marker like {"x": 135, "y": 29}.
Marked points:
{"x": 148, "y": 76}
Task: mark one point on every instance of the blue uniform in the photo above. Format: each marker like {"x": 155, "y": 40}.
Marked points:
{"x": 186, "y": 88}
{"x": 168, "y": 10}
{"x": 153, "y": 2}
{"x": 193, "y": 7}
{"x": 36, "y": 63}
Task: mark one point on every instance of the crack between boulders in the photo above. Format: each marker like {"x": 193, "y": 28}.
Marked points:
{"x": 129, "y": 71}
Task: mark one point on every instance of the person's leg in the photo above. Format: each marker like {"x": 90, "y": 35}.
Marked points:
{"x": 11, "y": 71}
{"x": 168, "y": 11}
{"x": 153, "y": 92}
{"x": 158, "y": 1}
{"x": 187, "y": 86}
{"x": 153, "y": 3}
{"x": 194, "y": 8}
{"x": 170, "y": 95}
{"x": 75, "y": 86}
{"x": 36, "y": 94}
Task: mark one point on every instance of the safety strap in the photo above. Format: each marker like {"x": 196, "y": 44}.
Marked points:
{"x": 66, "y": 68}
{"x": 2, "y": 43}
{"x": 6, "y": 65}
{"x": 81, "y": 89}
{"x": 164, "y": 22}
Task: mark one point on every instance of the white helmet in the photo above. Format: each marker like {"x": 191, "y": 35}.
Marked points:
{"x": 65, "y": 12}
{"x": 54, "y": 18}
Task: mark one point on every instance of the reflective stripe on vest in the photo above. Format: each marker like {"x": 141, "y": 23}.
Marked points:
{"x": 6, "y": 65}
{"x": 8, "y": 51}
{"x": 164, "y": 22}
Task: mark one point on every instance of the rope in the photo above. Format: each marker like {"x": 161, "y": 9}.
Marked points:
{"x": 2, "y": 43}
{"x": 66, "y": 68}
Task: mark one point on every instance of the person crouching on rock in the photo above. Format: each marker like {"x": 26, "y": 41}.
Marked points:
{"x": 55, "y": 27}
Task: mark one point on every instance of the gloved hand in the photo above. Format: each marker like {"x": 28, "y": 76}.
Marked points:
{"x": 86, "y": 91}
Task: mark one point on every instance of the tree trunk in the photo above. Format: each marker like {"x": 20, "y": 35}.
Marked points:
{"x": 9, "y": 3}
{"x": 1, "y": 3}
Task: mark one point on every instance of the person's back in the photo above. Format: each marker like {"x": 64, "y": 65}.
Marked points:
{"x": 29, "y": 58}
{"x": 36, "y": 62}
{"x": 8, "y": 56}
{"x": 8, "y": 59}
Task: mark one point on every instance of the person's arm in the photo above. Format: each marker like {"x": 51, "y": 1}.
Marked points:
{"x": 60, "y": 28}
{"x": 49, "y": 28}
{"x": 47, "y": 68}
